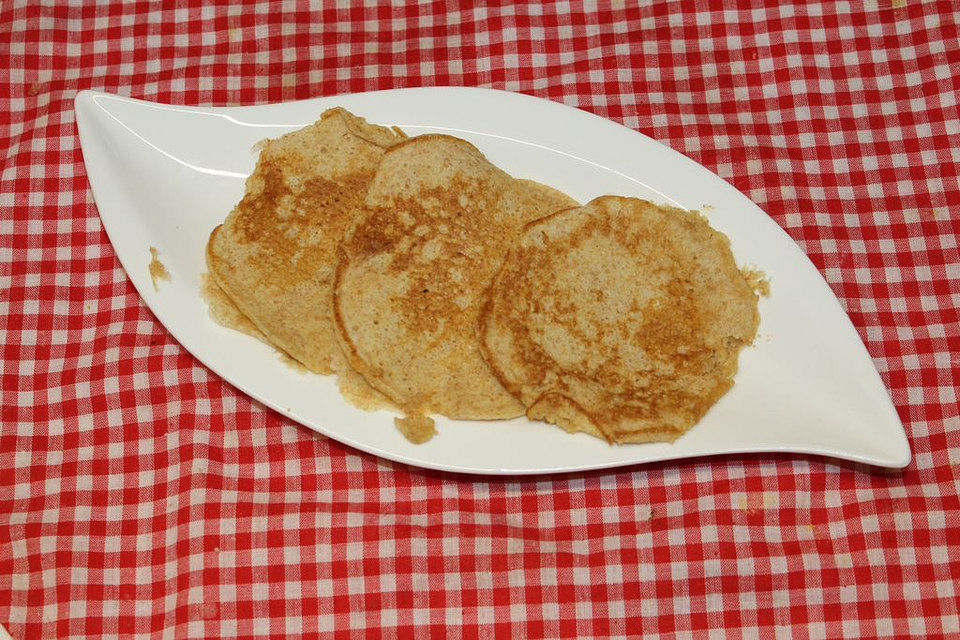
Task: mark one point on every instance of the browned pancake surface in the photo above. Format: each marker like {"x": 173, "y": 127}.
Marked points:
{"x": 275, "y": 254}
{"x": 413, "y": 273}
{"x": 620, "y": 318}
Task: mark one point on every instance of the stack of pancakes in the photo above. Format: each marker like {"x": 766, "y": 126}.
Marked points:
{"x": 431, "y": 280}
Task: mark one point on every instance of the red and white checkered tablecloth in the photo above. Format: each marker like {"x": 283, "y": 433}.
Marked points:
{"x": 140, "y": 494}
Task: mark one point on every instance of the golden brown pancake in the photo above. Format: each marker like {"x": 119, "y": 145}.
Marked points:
{"x": 620, "y": 318}
{"x": 412, "y": 276}
{"x": 275, "y": 255}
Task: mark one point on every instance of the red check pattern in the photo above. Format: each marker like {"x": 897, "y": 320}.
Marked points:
{"x": 142, "y": 495}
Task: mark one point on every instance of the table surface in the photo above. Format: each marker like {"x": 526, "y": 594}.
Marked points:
{"x": 140, "y": 493}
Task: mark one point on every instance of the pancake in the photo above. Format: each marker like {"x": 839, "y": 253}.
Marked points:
{"x": 621, "y": 318}
{"x": 412, "y": 275}
{"x": 275, "y": 255}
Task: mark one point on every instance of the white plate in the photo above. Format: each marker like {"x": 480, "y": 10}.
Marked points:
{"x": 164, "y": 176}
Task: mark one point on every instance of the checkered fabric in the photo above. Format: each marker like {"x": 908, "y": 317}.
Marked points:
{"x": 140, "y": 494}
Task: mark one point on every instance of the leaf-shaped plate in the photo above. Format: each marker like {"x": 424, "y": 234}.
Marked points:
{"x": 164, "y": 176}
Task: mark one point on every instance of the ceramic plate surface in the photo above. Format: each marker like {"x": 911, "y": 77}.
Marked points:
{"x": 165, "y": 176}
